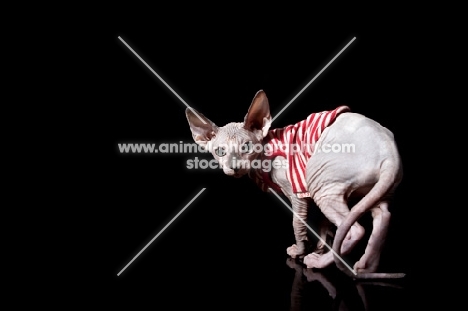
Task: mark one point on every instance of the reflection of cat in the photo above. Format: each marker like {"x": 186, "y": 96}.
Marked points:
{"x": 345, "y": 294}
{"x": 371, "y": 173}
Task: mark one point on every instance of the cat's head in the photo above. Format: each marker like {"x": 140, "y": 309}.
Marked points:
{"x": 234, "y": 145}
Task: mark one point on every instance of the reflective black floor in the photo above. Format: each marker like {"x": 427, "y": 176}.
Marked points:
{"x": 310, "y": 289}
{"x": 280, "y": 285}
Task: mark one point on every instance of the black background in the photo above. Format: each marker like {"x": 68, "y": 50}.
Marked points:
{"x": 229, "y": 247}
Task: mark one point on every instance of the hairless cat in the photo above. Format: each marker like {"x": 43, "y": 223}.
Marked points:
{"x": 308, "y": 162}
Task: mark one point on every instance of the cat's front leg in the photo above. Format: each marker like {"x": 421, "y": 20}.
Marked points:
{"x": 300, "y": 230}
{"x": 299, "y": 205}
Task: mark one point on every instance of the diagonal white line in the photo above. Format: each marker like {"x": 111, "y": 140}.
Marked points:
{"x": 318, "y": 236}
{"x": 159, "y": 77}
{"x": 159, "y": 233}
{"x": 284, "y": 108}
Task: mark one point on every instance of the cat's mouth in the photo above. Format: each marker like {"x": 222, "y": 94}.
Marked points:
{"x": 235, "y": 173}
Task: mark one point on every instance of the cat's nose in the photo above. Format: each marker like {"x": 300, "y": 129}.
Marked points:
{"x": 234, "y": 165}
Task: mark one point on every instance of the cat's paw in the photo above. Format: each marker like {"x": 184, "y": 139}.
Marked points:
{"x": 295, "y": 251}
{"x": 319, "y": 261}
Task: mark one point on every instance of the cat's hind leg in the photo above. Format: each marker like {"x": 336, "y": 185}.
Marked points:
{"x": 334, "y": 207}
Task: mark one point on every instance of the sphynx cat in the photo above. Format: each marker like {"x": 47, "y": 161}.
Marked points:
{"x": 371, "y": 173}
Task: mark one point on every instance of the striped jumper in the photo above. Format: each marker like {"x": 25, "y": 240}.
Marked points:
{"x": 297, "y": 144}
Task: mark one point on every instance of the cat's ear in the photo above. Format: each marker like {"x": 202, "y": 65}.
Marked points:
{"x": 203, "y": 130}
{"x": 258, "y": 117}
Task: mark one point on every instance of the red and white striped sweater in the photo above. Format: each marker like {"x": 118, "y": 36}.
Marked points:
{"x": 304, "y": 136}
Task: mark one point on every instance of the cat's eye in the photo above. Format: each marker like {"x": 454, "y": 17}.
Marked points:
{"x": 220, "y": 151}
{"x": 247, "y": 147}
